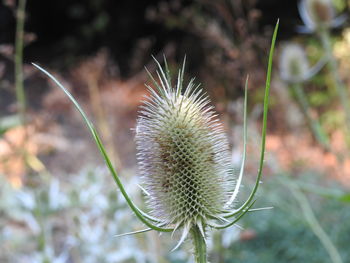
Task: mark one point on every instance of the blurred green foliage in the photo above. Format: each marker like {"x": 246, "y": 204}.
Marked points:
{"x": 282, "y": 234}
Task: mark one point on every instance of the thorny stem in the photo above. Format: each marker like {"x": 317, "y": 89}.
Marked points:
{"x": 19, "y": 59}
{"x": 315, "y": 126}
{"x": 333, "y": 67}
{"x": 200, "y": 249}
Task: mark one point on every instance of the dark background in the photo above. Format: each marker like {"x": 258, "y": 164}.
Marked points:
{"x": 70, "y": 29}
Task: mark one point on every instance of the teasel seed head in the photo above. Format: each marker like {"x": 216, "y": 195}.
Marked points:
{"x": 293, "y": 63}
{"x": 321, "y": 11}
{"x": 183, "y": 154}
{"x": 319, "y": 15}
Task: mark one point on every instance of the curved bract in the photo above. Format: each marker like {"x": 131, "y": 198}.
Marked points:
{"x": 141, "y": 215}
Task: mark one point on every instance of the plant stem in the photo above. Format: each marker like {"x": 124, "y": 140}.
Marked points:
{"x": 200, "y": 249}
{"x": 314, "y": 224}
{"x": 19, "y": 59}
{"x": 314, "y": 124}
{"x": 333, "y": 67}
{"x": 218, "y": 247}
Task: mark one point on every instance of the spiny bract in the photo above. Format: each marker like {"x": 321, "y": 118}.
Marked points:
{"x": 183, "y": 154}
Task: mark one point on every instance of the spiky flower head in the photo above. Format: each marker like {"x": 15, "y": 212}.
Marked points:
{"x": 183, "y": 154}
{"x": 293, "y": 63}
{"x": 321, "y": 11}
{"x": 319, "y": 15}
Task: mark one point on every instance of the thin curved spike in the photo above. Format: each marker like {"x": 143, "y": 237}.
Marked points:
{"x": 263, "y": 133}
{"x": 182, "y": 75}
{"x": 185, "y": 232}
{"x": 134, "y": 232}
{"x": 260, "y": 209}
{"x": 149, "y": 217}
{"x": 223, "y": 226}
{"x": 178, "y": 91}
{"x": 178, "y": 224}
{"x": 163, "y": 76}
{"x": 239, "y": 180}
{"x": 167, "y": 71}
{"x": 164, "y": 86}
{"x": 220, "y": 218}
{"x": 143, "y": 190}
{"x": 201, "y": 228}
{"x": 239, "y": 227}
{"x": 104, "y": 154}
{"x": 158, "y": 87}
{"x": 255, "y": 209}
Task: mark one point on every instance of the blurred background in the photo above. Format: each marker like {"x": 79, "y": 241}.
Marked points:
{"x": 58, "y": 202}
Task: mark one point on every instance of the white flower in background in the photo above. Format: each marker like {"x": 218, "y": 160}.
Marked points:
{"x": 90, "y": 235}
{"x": 318, "y": 14}
{"x": 57, "y": 199}
{"x": 294, "y": 65}
{"x": 26, "y": 200}
{"x": 48, "y": 255}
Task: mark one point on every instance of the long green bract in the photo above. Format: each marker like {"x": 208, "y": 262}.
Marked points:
{"x": 241, "y": 172}
{"x": 236, "y": 219}
{"x": 263, "y": 133}
{"x": 105, "y": 156}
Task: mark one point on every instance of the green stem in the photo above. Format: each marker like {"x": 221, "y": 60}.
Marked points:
{"x": 314, "y": 124}
{"x": 19, "y": 59}
{"x": 315, "y": 225}
{"x": 218, "y": 247}
{"x": 200, "y": 249}
{"x": 333, "y": 67}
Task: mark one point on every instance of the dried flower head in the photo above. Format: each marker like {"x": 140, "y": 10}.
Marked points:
{"x": 321, "y": 11}
{"x": 293, "y": 62}
{"x": 183, "y": 154}
{"x": 318, "y": 14}
{"x": 294, "y": 65}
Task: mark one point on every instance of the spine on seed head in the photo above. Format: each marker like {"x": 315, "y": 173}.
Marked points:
{"x": 183, "y": 154}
